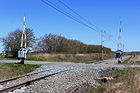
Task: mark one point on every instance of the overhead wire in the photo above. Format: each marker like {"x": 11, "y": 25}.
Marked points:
{"x": 76, "y": 13}
{"x": 68, "y": 14}
{"x": 47, "y": 2}
{"x": 68, "y": 7}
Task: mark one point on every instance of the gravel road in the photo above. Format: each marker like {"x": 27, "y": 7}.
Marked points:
{"x": 79, "y": 73}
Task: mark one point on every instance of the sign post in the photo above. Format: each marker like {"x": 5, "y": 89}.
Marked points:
{"x": 3, "y": 53}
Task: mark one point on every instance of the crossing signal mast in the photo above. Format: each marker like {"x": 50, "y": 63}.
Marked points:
{"x": 23, "y": 50}
{"x": 119, "y": 38}
{"x": 119, "y": 52}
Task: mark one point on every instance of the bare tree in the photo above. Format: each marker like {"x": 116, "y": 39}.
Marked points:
{"x": 52, "y": 43}
{"x": 13, "y": 40}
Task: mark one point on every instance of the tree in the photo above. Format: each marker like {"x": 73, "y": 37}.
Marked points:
{"x": 52, "y": 43}
{"x": 47, "y": 43}
{"x": 12, "y": 41}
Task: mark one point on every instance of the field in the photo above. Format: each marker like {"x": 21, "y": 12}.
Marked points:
{"x": 125, "y": 81}
{"x": 68, "y": 57}
{"x": 131, "y": 60}
{"x": 63, "y": 57}
{"x": 9, "y": 70}
{"x": 7, "y": 58}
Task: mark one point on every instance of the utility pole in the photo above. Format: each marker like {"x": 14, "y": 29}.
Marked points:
{"x": 102, "y": 45}
{"x": 134, "y": 58}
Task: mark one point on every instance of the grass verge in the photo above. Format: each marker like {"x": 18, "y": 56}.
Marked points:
{"x": 76, "y": 58}
{"x": 9, "y": 70}
{"x": 125, "y": 81}
{"x": 68, "y": 57}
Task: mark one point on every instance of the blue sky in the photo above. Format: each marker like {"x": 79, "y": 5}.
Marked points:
{"x": 105, "y": 14}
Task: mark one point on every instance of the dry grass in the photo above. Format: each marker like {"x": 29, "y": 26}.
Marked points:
{"x": 67, "y": 57}
{"x": 46, "y": 55}
{"x": 138, "y": 58}
{"x": 126, "y": 81}
{"x": 131, "y": 60}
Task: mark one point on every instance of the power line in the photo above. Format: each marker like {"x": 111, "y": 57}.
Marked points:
{"x": 66, "y": 13}
{"x": 47, "y": 2}
{"x": 79, "y": 15}
{"x": 76, "y": 13}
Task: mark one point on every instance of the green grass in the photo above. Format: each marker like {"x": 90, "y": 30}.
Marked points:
{"x": 10, "y": 58}
{"x": 124, "y": 72}
{"x": 137, "y": 62}
{"x": 9, "y": 70}
{"x": 1, "y": 57}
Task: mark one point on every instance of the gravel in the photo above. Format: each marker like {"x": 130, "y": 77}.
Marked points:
{"x": 77, "y": 74}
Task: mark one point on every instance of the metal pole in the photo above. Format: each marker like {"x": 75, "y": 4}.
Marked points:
{"x": 101, "y": 45}
{"x": 134, "y": 58}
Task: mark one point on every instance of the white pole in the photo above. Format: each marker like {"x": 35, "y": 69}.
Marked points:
{"x": 22, "y": 40}
{"x": 24, "y": 31}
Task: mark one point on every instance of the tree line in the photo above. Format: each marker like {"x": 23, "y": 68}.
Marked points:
{"x": 49, "y": 43}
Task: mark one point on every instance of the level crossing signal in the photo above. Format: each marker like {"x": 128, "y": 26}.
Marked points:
{"x": 23, "y": 50}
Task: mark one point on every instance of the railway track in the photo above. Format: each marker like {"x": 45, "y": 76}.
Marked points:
{"x": 7, "y": 80}
{"x": 73, "y": 90}
{"x": 27, "y": 83}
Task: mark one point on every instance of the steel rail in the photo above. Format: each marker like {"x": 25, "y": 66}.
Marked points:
{"x": 28, "y": 82}
{"x": 74, "y": 89}
{"x": 7, "y": 80}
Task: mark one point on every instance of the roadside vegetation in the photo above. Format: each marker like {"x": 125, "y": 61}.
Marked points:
{"x": 125, "y": 81}
{"x": 65, "y": 50}
{"x": 9, "y": 70}
{"x": 130, "y": 61}
{"x": 12, "y": 42}
{"x": 51, "y": 57}
{"x": 51, "y": 44}
{"x": 86, "y": 58}
{"x": 1, "y": 57}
